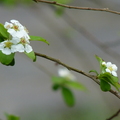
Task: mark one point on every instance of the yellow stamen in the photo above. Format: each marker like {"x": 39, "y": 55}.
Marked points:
{"x": 16, "y": 28}
{"x": 23, "y": 41}
{"x": 8, "y": 44}
{"x": 110, "y": 68}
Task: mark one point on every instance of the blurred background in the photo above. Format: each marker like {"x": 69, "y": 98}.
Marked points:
{"x": 75, "y": 37}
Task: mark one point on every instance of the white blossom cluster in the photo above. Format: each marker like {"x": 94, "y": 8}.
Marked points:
{"x": 64, "y": 72}
{"x": 111, "y": 68}
{"x": 18, "y": 41}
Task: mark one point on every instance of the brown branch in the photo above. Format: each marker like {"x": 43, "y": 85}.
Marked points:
{"x": 94, "y": 78}
{"x": 80, "y": 8}
{"x": 113, "y": 116}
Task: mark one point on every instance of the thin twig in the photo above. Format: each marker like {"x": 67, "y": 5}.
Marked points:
{"x": 94, "y": 78}
{"x": 80, "y": 8}
{"x": 115, "y": 115}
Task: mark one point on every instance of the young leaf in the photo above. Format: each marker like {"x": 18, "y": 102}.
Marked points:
{"x": 37, "y": 38}
{"x": 106, "y": 76}
{"x": 3, "y": 31}
{"x": 115, "y": 79}
{"x": 12, "y": 63}
{"x": 110, "y": 79}
{"x": 59, "y": 11}
{"x": 11, "y": 117}
{"x": 105, "y": 86}
{"x": 1, "y": 38}
{"x": 6, "y": 59}
{"x": 31, "y": 55}
{"x": 55, "y": 87}
{"x": 68, "y": 96}
{"x": 100, "y": 61}
{"x": 75, "y": 85}
{"x": 94, "y": 72}
{"x": 58, "y": 80}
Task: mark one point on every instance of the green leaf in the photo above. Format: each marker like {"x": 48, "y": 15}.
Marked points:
{"x": 75, "y": 85}
{"x": 100, "y": 61}
{"x": 117, "y": 85}
{"x": 3, "y": 31}
{"x": 7, "y": 59}
{"x": 31, "y": 55}
{"x": 59, "y": 11}
{"x": 106, "y": 76}
{"x": 68, "y": 96}
{"x": 37, "y": 38}
{"x": 1, "y": 38}
{"x": 11, "y": 117}
{"x": 110, "y": 79}
{"x": 65, "y": 82}
{"x": 115, "y": 79}
{"x": 55, "y": 87}
{"x": 94, "y": 72}
{"x": 58, "y": 80}
{"x": 105, "y": 86}
{"x": 12, "y": 63}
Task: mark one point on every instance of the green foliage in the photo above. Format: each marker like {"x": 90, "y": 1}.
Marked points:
{"x": 105, "y": 86}
{"x": 11, "y": 117}
{"x": 106, "y": 79}
{"x": 55, "y": 87}
{"x": 37, "y": 38}
{"x": 64, "y": 85}
{"x": 100, "y": 61}
{"x": 94, "y": 72}
{"x": 7, "y": 59}
{"x": 61, "y": 81}
{"x": 14, "y": 2}
{"x": 75, "y": 85}
{"x": 3, "y": 33}
{"x": 58, "y": 80}
{"x": 9, "y": 2}
{"x": 68, "y": 96}
{"x": 31, "y": 55}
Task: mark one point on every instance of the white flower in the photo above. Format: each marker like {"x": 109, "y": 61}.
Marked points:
{"x": 22, "y": 45}
{"x": 16, "y": 29}
{"x": 64, "y": 72}
{"x": 8, "y": 25}
{"x": 19, "y": 39}
{"x": 111, "y": 68}
{"x": 6, "y": 47}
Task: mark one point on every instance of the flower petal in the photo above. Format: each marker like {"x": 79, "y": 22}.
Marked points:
{"x": 108, "y": 64}
{"x": 114, "y": 67}
{"x": 17, "y": 48}
{"x": 107, "y": 70}
{"x": 28, "y": 48}
{"x": 6, "y": 51}
{"x": 114, "y": 73}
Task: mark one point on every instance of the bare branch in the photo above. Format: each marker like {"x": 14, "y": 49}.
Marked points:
{"x": 115, "y": 115}
{"x": 80, "y": 8}
{"x": 94, "y": 78}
